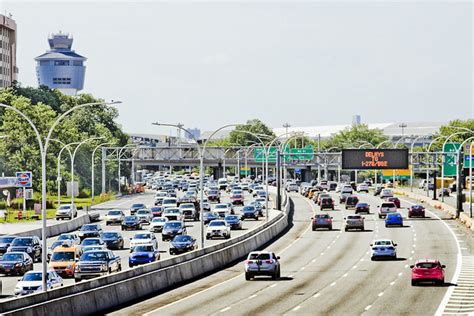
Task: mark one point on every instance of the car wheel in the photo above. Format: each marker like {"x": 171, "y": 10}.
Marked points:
{"x": 345, "y": 229}
{"x": 247, "y": 276}
{"x": 414, "y": 283}
{"x": 372, "y": 258}
{"x": 119, "y": 268}
{"x": 274, "y": 275}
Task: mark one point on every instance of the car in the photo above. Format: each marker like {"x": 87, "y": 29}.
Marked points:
{"x": 249, "y": 211}
{"x": 444, "y": 192}
{"x": 386, "y": 193}
{"x": 73, "y": 238}
{"x": 383, "y": 248}
{"x": 114, "y": 217}
{"x": 222, "y": 209}
{"x": 93, "y": 247}
{"x": 206, "y": 206}
{"x": 173, "y": 214}
{"x": 156, "y": 211}
{"x": 210, "y": 216}
{"x": 66, "y": 211}
{"x": 97, "y": 263}
{"x": 386, "y": 208}
{"x": 189, "y": 211}
{"x": 173, "y": 228}
{"x": 362, "y": 208}
{"x": 351, "y": 202}
{"x": 32, "y": 282}
{"x": 234, "y": 221}
{"x": 159, "y": 200}
{"x": 90, "y": 230}
{"x": 363, "y": 187}
{"x": 395, "y": 200}
{"x": 144, "y": 238}
{"x": 63, "y": 260}
{"x": 170, "y": 202}
{"x": 353, "y": 222}
{"x": 31, "y": 245}
{"x": 262, "y": 194}
{"x": 218, "y": 228}
{"x": 347, "y": 188}
{"x": 131, "y": 222}
{"x": 258, "y": 205}
{"x": 292, "y": 187}
{"x": 245, "y": 186}
{"x": 326, "y": 203}
{"x": 262, "y": 263}
{"x": 15, "y": 263}
{"x": 394, "y": 219}
{"x": 142, "y": 254}
{"x": 332, "y": 186}
{"x": 157, "y": 224}
{"x": 113, "y": 240}
{"x": 93, "y": 241}
{"x": 427, "y": 270}
{"x": 416, "y": 211}
{"x": 182, "y": 244}
{"x": 262, "y": 202}
{"x": 144, "y": 215}
{"x": 378, "y": 190}
{"x": 135, "y": 207}
{"x": 5, "y": 242}
{"x": 322, "y": 195}
{"x": 343, "y": 197}
{"x": 237, "y": 199}
{"x": 321, "y": 221}
{"x": 214, "y": 196}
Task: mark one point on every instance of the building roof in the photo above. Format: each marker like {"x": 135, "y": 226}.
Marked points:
{"x": 69, "y": 55}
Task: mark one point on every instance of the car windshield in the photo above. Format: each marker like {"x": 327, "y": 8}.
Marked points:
{"x": 388, "y": 205}
{"x": 115, "y": 212}
{"x": 64, "y": 207}
{"x": 111, "y": 235}
{"x": 143, "y": 248}
{"x": 183, "y": 238}
{"x": 213, "y": 192}
{"x": 426, "y": 265}
{"x": 156, "y": 209}
{"x": 142, "y": 212}
{"x": 90, "y": 242}
{"x": 32, "y": 276}
{"x": 130, "y": 218}
{"x": 232, "y": 218}
{"x": 383, "y": 243}
{"x": 169, "y": 201}
{"x": 393, "y": 215}
{"x": 237, "y": 196}
{"x": 6, "y": 240}
{"x": 322, "y": 216}
{"x": 94, "y": 256}
{"x": 217, "y": 223}
{"x": 63, "y": 256}
{"x": 89, "y": 227}
{"x": 138, "y": 205}
{"x": 249, "y": 208}
{"x": 159, "y": 220}
{"x": 259, "y": 256}
{"x": 66, "y": 237}
{"x": 362, "y": 204}
{"x": 353, "y": 217}
{"x": 142, "y": 236}
{"x": 12, "y": 257}
{"x": 186, "y": 205}
{"x": 22, "y": 242}
{"x": 173, "y": 225}
{"x": 91, "y": 248}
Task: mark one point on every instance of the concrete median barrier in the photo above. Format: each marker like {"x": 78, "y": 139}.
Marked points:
{"x": 97, "y": 295}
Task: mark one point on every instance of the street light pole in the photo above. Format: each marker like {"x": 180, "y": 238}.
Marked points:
{"x": 427, "y": 169}
{"x": 413, "y": 167}
{"x": 119, "y": 152}
{"x": 65, "y": 146}
{"x": 93, "y": 171}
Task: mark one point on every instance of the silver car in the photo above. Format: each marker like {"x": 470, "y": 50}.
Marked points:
{"x": 386, "y": 208}
{"x": 66, "y": 211}
{"x": 262, "y": 263}
{"x": 145, "y": 216}
{"x": 354, "y": 222}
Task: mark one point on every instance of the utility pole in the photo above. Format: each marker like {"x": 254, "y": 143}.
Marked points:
{"x": 402, "y": 126}
{"x": 286, "y": 125}
{"x": 278, "y": 181}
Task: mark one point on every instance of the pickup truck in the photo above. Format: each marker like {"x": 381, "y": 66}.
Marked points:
{"x": 96, "y": 263}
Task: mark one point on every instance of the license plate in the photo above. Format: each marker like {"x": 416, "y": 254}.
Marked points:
{"x": 7, "y": 270}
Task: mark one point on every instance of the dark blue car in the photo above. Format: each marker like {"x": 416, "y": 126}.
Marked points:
{"x": 142, "y": 254}
{"x": 210, "y": 216}
{"x": 131, "y": 222}
{"x": 394, "y": 219}
{"x": 249, "y": 211}
{"x": 234, "y": 221}
{"x": 182, "y": 243}
{"x": 113, "y": 240}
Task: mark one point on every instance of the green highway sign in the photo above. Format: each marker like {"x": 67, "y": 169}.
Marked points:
{"x": 305, "y": 153}
{"x": 450, "y": 159}
{"x": 260, "y": 154}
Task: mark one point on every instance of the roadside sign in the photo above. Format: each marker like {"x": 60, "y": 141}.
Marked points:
{"x": 244, "y": 171}
{"x": 450, "y": 159}
{"x": 24, "y": 179}
{"x": 305, "y": 153}
{"x": 468, "y": 156}
{"x": 29, "y": 194}
{"x": 260, "y": 154}
{"x": 37, "y": 208}
{"x": 70, "y": 188}
{"x": 298, "y": 170}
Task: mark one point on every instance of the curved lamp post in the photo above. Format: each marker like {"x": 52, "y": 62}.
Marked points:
{"x": 92, "y": 170}
{"x": 411, "y": 152}
{"x": 120, "y": 156}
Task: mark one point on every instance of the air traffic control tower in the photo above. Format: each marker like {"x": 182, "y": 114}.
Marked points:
{"x": 61, "y": 68}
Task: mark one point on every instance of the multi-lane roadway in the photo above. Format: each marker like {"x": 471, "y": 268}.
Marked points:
{"x": 331, "y": 272}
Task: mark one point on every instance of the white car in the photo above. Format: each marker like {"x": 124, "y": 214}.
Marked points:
{"x": 346, "y": 189}
{"x": 114, "y": 216}
{"x": 262, "y": 263}
{"x": 383, "y": 248}
{"x": 66, "y": 211}
{"x": 172, "y": 214}
{"x": 189, "y": 211}
{"x": 31, "y": 282}
{"x": 291, "y": 187}
{"x": 262, "y": 201}
{"x": 385, "y": 208}
{"x": 363, "y": 187}
{"x": 143, "y": 239}
{"x": 222, "y": 209}
{"x": 161, "y": 194}
{"x": 170, "y": 202}
{"x": 218, "y": 228}
{"x": 145, "y": 215}
{"x": 386, "y": 193}
{"x": 157, "y": 224}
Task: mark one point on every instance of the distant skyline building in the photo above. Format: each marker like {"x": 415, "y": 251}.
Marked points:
{"x": 8, "y": 68}
{"x": 356, "y": 120}
{"x": 60, "y": 67}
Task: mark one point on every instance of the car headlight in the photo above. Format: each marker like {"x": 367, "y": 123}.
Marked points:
{"x": 103, "y": 267}
{"x": 17, "y": 289}
{"x": 150, "y": 255}
{"x": 29, "y": 249}
{"x": 9, "y": 249}
{"x": 69, "y": 267}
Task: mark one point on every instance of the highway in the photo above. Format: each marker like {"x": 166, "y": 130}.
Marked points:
{"x": 328, "y": 272}
{"x": 193, "y": 229}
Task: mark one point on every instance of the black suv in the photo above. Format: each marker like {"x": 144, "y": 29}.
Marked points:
{"x": 30, "y": 245}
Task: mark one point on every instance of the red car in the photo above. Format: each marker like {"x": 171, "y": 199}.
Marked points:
{"x": 213, "y": 196}
{"x": 395, "y": 201}
{"x": 362, "y": 208}
{"x": 237, "y": 199}
{"x": 427, "y": 270}
{"x": 156, "y": 211}
{"x": 416, "y": 211}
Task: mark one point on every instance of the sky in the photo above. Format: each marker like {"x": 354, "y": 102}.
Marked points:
{"x": 308, "y": 63}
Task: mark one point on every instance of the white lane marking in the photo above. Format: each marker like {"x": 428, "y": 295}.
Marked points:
{"x": 322, "y": 253}
{"x": 313, "y": 261}
{"x": 406, "y": 266}
{"x": 302, "y": 268}
{"x": 345, "y": 275}
{"x": 411, "y": 258}
{"x": 252, "y": 296}
{"x": 368, "y": 307}
{"x": 400, "y": 274}
{"x": 273, "y": 285}
{"x": 316, "y": 295}
{"x": 296, "y": 308}
{"x": 413, "y": 251}
{"x": 380, "y": 294}
{"x": 392, "y": 283}
{"x": 362, "y": 259}
{"x": 354, "y": 267}
{"x": 225, "y": 309}
{"x": 333, "y": 283}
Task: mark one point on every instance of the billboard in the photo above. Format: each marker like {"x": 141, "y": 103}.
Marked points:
{"x": 374, "y": 159}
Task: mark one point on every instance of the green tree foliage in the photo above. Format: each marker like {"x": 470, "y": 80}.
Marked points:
{"x": 456, "y": 126}
{"x": 254, "y": 126}
{"x": 19, "y": 150}
{"x": 355, "y": 136}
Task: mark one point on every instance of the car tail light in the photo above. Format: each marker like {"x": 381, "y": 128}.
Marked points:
{"x": 249, "y": 261}
{"x": 328, "y": 220}
{"x": 269, "y": 261}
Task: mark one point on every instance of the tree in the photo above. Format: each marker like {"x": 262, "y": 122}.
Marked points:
{"x": 254, "y": 126}
{"x": 355, "y": 136}
{"x": 452, "y": 128}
